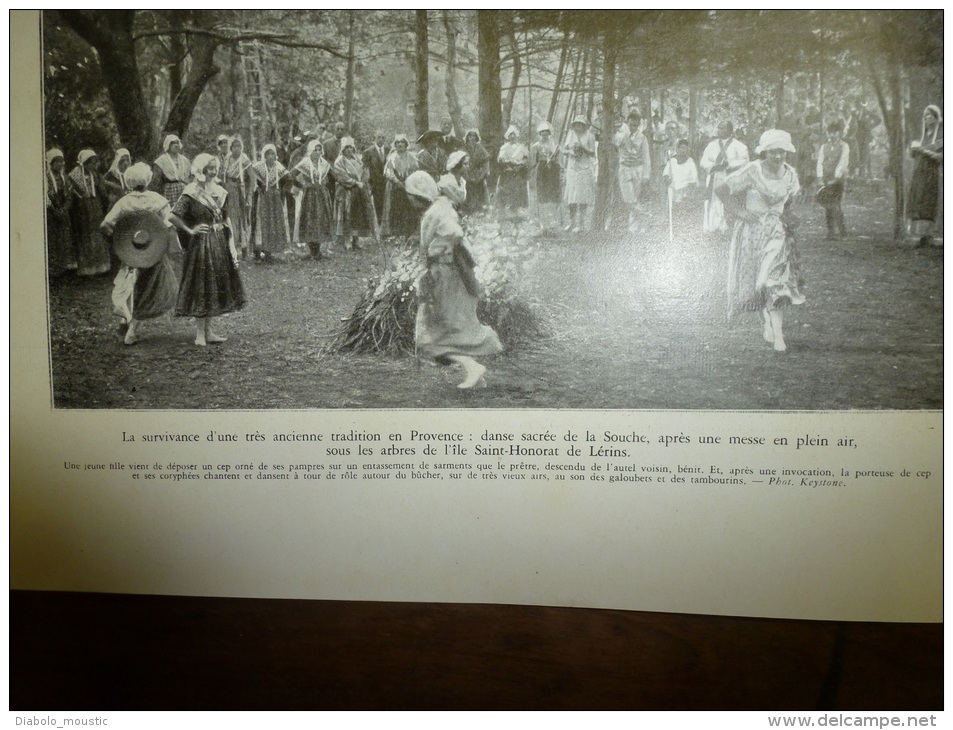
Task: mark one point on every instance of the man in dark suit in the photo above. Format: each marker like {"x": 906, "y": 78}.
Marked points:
{"x": 374, "y": 158}
{"x": 449, "y": 142}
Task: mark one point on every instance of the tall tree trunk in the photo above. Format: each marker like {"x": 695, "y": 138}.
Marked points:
{"x": 491, "y": 109}
{"x": 890, "y": 98}
{"x": 571, "y": 99}
{"x": 422, "y": 63}
{"x": 203, "y": 70}
{"x": 591, "y": 104}
{"x": 606, "y": 184}
{"x": 560, "y": 70}
{"x": 529, "y": 92}
{"x": 110, "y": 33}
{"x": 779, "y": 102}
{"x": 349, "y": 76}
{"x": 514, "y": 80}
{"x": 453, "y": 100}
{"x": 177, "y": 51}
{"x": 692, "y": 117}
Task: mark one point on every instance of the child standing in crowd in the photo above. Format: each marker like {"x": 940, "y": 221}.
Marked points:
{"x": 681, "y": 180}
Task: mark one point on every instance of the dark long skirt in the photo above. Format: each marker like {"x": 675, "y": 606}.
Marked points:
{"x": 511, "y": 191}
{"x": 210, "y": 282}
{"x": 401, "y": 218}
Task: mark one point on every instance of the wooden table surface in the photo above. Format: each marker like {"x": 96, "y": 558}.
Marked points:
{"x": 75, "y": 651}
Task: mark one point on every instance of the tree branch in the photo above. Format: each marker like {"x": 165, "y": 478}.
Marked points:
{"x": 233, "y": 36}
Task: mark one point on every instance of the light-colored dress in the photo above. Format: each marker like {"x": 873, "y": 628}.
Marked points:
{"x": 762, "y": 263}
{"x": 580, "y": 168}
{"x": 732, "y": 153}
{"x": 447, "y": 321}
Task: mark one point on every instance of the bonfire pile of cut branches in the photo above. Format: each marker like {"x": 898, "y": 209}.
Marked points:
{"x": 383, "y": 320}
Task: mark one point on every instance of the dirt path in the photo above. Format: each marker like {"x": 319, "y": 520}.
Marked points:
{"x": 637, "y": 325}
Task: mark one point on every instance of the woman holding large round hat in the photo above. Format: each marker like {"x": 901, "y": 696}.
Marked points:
{"x": 210, "y": 284}
{"x": 762, "y": 266}
{"x": 141, "y": 229}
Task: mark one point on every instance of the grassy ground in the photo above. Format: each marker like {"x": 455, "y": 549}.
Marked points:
{"x": 637, "y": 324}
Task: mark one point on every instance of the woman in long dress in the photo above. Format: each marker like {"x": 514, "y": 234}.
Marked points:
{"x": 310, "y": 175}
{"x": 88, "y": 198}
{"x": 447, "y": 328}
{"x": 401, "y": 218}
{"x": 511, "y": 191}
{"x": 762, "y": 266}
{"x": 61, "y": 250}
{"x": 580, "y": 190}
{"x": 172, "y": 170}
{"x": 354, "y": 215}
{"x": 141, "y": 293}
{"x": 114, "y": 179}
{"x": 479, "y": 171}
{"x": 210, "y": 284}
{"x": 239, "y": 182}
{"x": 544, "y": 164}
{"x": 923, "y": 205}
{"x": 271, "y": 220}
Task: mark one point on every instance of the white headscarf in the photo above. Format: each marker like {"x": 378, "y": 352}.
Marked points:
{"x": 139, "y": 175}
{"x": 56, "y": 180}
{"x": 114, "y": 168}
{"x": 269, "y": 175}
{"x": 174, "y": 170}
{"x": 318, "y": 172}
{"x": 199, "y": 164}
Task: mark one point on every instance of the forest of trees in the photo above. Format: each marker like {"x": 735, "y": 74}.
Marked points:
{"x": 128, "y": 77}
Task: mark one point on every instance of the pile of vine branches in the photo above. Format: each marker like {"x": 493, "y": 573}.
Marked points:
{"x": 384, "y": 318}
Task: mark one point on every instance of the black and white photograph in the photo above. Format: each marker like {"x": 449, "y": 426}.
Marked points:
{"x": 665, "y": 209}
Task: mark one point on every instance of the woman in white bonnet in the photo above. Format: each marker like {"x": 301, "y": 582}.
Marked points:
{"x": 210, "y": 284}
{"x": 141, "y": 293}
{"x": 448, "y": 330}
{"x": 762, "y": 265}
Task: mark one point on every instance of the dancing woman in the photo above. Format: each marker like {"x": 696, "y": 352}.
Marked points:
{"x": 447, "y": 329}
{"x": 762, "y": 267}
